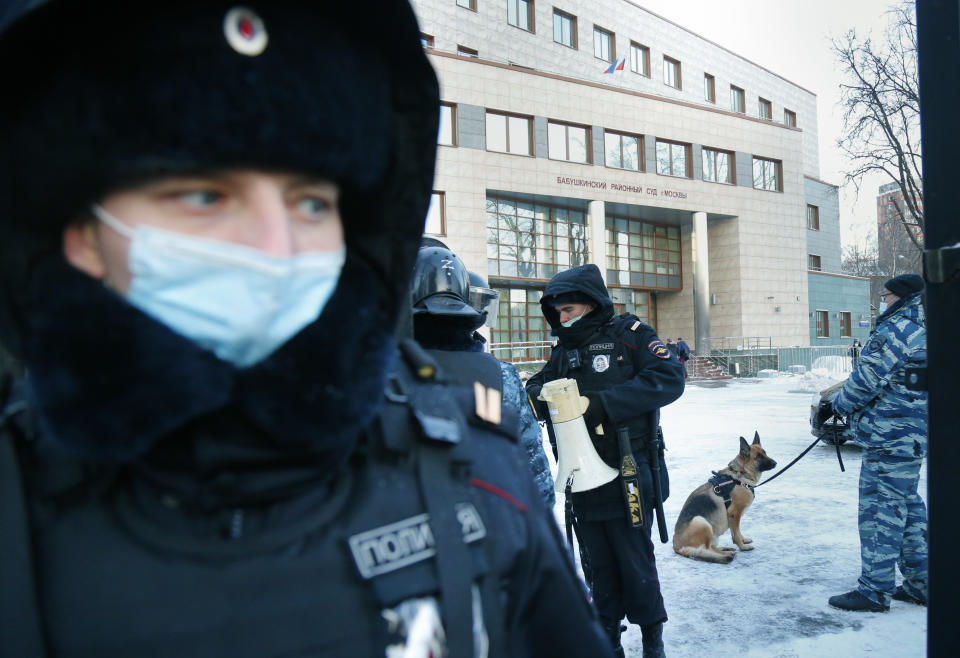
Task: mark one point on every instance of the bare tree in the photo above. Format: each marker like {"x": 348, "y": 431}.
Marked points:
{"x": 860, "y": 260}
{"x": 881, "y": 101}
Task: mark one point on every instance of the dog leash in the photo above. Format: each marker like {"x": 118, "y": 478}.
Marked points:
{"x": 808, "y": 449}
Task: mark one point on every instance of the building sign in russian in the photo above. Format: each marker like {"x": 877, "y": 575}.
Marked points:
{"x": 621, "y": 187}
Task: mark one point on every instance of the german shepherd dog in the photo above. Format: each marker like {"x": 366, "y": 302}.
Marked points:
{"x": 704, "y": 516}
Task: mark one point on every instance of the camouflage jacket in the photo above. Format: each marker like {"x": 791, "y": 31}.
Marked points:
{"x": 530, "y": 433}
{"x": 884, "y": 415}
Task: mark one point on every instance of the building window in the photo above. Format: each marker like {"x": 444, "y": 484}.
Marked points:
{"x": 520, "y": 14}
{"x": 533, "y": 240}
{"x": 568, "y": 142}
{"x": 520, "y": 320}
{"x": 426, "y": 40}
{"x": 447, "y": 135}
{"x": 642, "y": 254}
{"x": 813, "y": 218}
{"x": 638, "y": 302}
{"x": 709, "y": 88}
{"x": 435, "y": 224}
{"x": 671, "y": 73}
{"x": 622, "y": 150}
{"x": 766, "y": 174}
{"x": 766, "y": 109}
{"x": 673, "y": 158}
{"x": 845, "y": 325}
{"x": 639, "y": 59}
{"x": 467, "y": 4}
{"x": 604, "y": 44}
{"x": 463, "y": 51}
{"x": 789, "y": 118}
{"x": 565, "y": 29}
{"x": 813, "y": 262}
{"x": 823, "y": 324}
{"x": 737, "y": 102}
{"x": 507, "y": 133}
{"x": 718, "y": 166}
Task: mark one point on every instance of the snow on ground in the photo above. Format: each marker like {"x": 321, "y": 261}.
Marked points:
{"x": 772, "y": 601}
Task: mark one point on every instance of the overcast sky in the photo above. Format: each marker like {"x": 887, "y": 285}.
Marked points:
{"x": 792, "y": 39}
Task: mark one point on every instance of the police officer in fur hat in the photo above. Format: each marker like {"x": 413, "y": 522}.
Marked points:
{"x": 210, "y": 215}
{"x": 889, "y": 421}
{"x": 627, "y": 373}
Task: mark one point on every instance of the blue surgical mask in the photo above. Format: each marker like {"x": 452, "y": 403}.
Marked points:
{"x": 882, "y": 308}
{"x": 234, "y": 300}
{"x": 573, "y": 321}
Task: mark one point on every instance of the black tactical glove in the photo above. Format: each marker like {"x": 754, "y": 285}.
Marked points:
{"x": 824, "y": 412}
{"x": 594, "y": 415}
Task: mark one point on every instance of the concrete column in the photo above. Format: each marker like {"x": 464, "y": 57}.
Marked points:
{"x": 701, "y": 281}
{"x": 596, "y": 230}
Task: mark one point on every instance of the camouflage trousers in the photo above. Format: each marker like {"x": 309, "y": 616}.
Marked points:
{"x": 893, "y": 527}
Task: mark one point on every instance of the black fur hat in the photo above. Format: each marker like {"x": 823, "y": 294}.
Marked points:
{"x": 102, "y": 94}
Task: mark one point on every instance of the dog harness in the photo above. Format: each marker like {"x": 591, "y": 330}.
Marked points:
{"x": 723, "y": 486}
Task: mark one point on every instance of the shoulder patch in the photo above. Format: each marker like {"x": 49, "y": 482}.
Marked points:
{"x": 636, "y": 325}
{"x": 658, "y": 349}
{"x": 875, "y": 344}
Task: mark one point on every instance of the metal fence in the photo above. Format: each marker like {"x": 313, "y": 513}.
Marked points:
{"x": 739, "y": 356}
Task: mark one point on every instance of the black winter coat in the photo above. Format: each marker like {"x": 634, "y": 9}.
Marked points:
{"x": 623, "y": 367}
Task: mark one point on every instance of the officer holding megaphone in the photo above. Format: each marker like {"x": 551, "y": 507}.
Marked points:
{"x": 615, "y": 374}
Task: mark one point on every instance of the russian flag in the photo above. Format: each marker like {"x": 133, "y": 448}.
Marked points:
{"x": 616, "y": 65}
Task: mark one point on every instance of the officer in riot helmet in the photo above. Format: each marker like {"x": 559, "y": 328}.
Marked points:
{"x": 216, "y": 445}
{"x": 449, "y": 305}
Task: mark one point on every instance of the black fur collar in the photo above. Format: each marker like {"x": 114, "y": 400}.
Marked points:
{"x": 109, "y": 382}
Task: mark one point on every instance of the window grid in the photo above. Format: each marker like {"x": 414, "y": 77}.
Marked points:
{"x": 567, "y": 141}
{"x": 467, "y": 4}
{"x": 766, "y": 174}
{"x": 737, "y": 102}
{"x": 638, "y": 302}
{"x": 719, "y": 166}
{"x": 508, "y": 133}
{"x": 709, "y": 88}
{"x": 639, "y": 59}
{"x": 765, "y": 109}
{"x": 845, "y": 324}
{"x": 789, "y": 118}
{"x": 533, "y": 240}
{"x": 447, "y": 133}
{"x": 673, "y": 158}
{"x": 671, "y": 73}
{"x": 520, "y": 14}
{"x": 604, "y": 45}
{"x": 436, "y": 223}
{"x": 813, "y": 218}
{"x": 519, "y": 320}
{"x": 565, "y": 29}
{"x": 643, "y": 254}
{"x": 623, "y": 151}
{"x": 823, "y": 324}
{"x": 426, "y": 40}
{"x": 813, "y": 262}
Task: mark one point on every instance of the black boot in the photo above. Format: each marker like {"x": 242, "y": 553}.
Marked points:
{"x": 613, "y": 632}
{"x": 653, "y": 641}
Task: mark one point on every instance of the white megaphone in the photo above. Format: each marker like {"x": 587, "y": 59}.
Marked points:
{"x": 578, "y": 463}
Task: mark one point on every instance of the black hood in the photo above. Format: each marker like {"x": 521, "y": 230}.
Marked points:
{"x": 585, "y": 279}
{"x": 109, "y": 382}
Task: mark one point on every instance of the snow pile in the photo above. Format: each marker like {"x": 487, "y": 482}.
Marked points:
{"x": 772, "y": 601}
{"x": 815, "y": 381}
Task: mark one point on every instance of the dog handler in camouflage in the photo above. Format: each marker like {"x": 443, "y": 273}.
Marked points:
{"x": 889, "y": 422}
